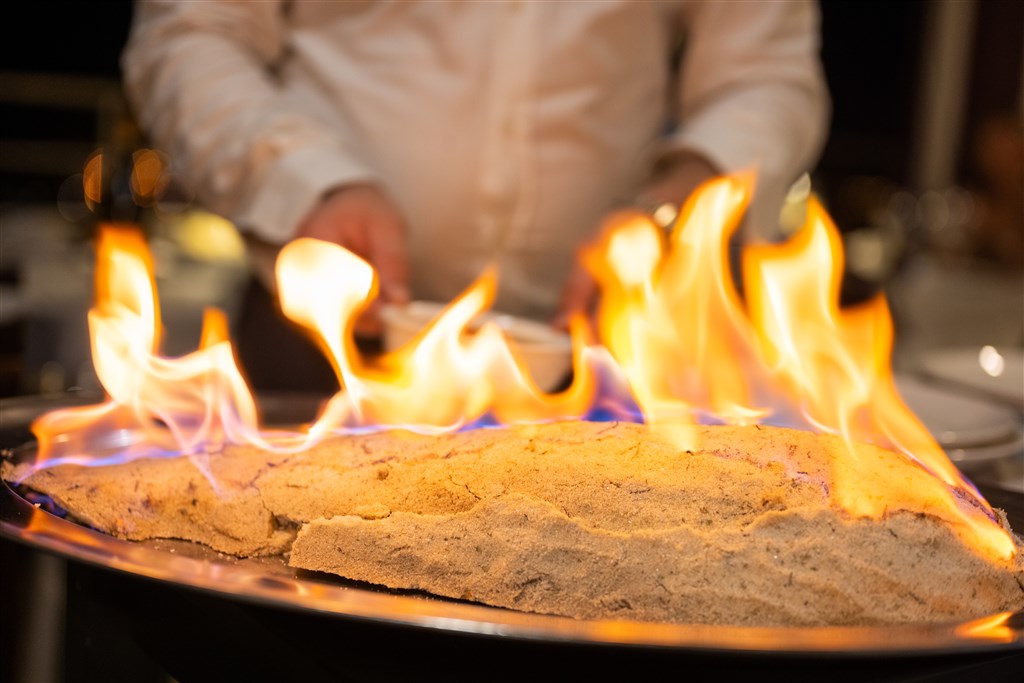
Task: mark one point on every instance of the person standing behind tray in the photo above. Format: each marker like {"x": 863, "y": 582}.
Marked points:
{"x": 435, "y": 138}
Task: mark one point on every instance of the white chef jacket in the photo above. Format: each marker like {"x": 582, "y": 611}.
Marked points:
{"x": 503, "y": 130}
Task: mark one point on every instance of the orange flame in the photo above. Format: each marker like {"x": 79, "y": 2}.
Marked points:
{"x": 673, "y": 320}
{"x": 442, "y": 378}
{"x": 688, "y": 345}
{"x": 835, "y": 366}
{"x": 193, "y": 404}
{"x": 676, "y": 328}
{"x": 995, "y": 628}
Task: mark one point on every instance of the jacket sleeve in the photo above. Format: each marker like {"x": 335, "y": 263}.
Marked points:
{"x": 200, "y": 79}
{"x": 752, "y": 95}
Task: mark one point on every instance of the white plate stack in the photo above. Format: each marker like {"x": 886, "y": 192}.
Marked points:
{"x": 974, "y": 409}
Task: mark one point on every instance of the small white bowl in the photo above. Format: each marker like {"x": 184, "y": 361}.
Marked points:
{"x": 547, "y": 352}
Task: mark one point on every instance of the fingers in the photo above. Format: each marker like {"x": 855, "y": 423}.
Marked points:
{"x": 363, "y": 219}
{"x": 578, "y": 296}
{"x": 387, "y": 254}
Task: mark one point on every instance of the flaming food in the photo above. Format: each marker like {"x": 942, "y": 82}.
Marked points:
{"x": 443, "y": 467}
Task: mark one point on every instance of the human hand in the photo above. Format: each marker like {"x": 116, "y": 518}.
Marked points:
{"x": 364, "y": 220}
{"x": 678, "y": 176}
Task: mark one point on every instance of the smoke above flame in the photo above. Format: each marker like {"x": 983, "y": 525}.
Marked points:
{"x": 678, "y": 341}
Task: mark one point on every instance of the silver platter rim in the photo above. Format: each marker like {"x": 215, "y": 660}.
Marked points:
{"x": 270, "y": 582}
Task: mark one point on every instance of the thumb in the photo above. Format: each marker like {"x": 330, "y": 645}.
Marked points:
{"x": 389, "y": 258}
{"x": 578, "y": 295}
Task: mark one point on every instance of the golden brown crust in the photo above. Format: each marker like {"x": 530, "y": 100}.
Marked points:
{"x": 786, "y": 569}
{"x": 706, "y": 524}
{"x": 171, "y": 498}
